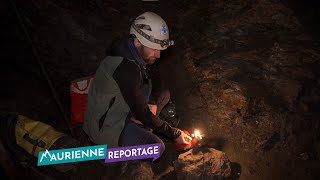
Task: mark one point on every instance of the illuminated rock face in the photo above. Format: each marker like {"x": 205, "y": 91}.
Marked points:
{"x": 206, "y": 163}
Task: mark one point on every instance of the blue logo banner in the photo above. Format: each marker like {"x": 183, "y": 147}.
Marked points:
{"x": 72, "y": 155}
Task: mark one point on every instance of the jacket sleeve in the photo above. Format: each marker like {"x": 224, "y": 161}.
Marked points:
{"x": 129, "y": 80}
{"x": 157, "y": 84}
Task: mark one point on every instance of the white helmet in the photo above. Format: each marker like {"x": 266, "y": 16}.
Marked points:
{"x": 152, "y": 31}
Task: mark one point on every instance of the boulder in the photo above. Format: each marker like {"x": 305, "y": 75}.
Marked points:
{"x": 206, "y": 163}
{"x": 137, "y": 169}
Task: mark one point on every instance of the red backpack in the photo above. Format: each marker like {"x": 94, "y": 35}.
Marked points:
{"x": 79, "y": 89}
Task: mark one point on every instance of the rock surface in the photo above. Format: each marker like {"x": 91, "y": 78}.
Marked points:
{"x": 206, "y": 163}
{"x": 138, "y": 170}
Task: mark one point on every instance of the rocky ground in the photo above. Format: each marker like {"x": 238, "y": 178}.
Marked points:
{"x": 244, "y": 72}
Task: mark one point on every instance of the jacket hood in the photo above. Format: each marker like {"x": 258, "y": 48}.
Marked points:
{"x": 119, "y": 47}
{"x": 124, "y": 47}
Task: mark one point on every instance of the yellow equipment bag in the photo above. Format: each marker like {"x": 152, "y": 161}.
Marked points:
{"x": 35, "y": 136}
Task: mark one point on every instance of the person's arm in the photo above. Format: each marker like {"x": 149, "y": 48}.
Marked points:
{"x": 129, "y": 80}
{"x": 157, "y": 85}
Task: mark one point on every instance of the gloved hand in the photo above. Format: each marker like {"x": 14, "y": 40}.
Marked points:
{"x": 183, "y": 138}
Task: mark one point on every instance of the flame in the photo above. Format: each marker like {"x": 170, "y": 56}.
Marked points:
{"x": 197, "y": 134}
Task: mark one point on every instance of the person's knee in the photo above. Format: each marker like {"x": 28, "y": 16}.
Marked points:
{"x": 166, "y": 95}
{"x": 162, "y": 147}
{"x": 163, "y": 99}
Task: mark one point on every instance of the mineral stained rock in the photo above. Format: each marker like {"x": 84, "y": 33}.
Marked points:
{"x": 206, "y": 163}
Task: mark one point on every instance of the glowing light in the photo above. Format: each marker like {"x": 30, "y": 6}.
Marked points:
{"x": 196, "y": 134}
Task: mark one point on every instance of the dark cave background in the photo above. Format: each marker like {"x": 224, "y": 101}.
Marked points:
{"x": 245, "y": 72}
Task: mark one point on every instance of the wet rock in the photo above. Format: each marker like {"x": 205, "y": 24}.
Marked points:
{"x": 207, "y": 163}
{"x": 137, "y": 170}
{"x": 289, "y": 89}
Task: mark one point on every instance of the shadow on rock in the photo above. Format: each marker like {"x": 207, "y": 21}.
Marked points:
{"x": 217, "y": 143}
{"x": 235, "y": 171}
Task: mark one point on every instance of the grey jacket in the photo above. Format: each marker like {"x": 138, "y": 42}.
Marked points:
{"x": 106, "y": 109}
